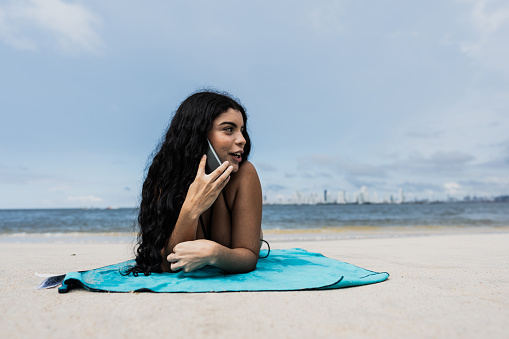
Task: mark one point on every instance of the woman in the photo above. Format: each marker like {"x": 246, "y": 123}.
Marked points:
{"x": 189, "y": 219}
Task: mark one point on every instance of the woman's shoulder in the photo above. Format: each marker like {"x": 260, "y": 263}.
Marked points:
{"x": 247, "y": 169}
{"x": 244, "y": 186}
{"x": 245, "y": 176}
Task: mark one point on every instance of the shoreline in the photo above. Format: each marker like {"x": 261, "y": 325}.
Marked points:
{"x": 278, "y": 235}
{"x": 439, "y": 286}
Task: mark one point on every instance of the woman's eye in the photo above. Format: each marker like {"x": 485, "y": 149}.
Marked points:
{"x": 229, "y": 129}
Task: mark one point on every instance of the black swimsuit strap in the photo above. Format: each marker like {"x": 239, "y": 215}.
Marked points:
{"x": 268, "y": 248}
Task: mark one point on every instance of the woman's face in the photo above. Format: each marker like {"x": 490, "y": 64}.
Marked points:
{"x": 226, "y": 137}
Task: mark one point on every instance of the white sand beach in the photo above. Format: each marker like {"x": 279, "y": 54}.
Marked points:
{"x": 440, "y": 286}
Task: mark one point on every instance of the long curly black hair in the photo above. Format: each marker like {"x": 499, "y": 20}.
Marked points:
{"x": 172, "y": 171}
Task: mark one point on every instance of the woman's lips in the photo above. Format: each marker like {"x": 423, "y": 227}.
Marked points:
{"x": 236, "y": 156}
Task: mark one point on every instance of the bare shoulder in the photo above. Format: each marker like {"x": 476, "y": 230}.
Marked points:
{"x": 244, "y": 180}
{"x": 246, "y": 172}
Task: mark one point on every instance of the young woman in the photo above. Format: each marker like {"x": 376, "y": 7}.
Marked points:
{"x": 188, "y": 218}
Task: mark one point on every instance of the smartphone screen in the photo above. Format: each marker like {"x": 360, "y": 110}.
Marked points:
{"x": 213, "y": 161}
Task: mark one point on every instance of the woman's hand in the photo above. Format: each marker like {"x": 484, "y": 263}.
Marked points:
{"x": 206, "y": 187}
{"x": 192, "y": 255}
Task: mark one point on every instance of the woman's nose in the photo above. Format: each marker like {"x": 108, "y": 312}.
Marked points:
{"x": 240, "y": 139}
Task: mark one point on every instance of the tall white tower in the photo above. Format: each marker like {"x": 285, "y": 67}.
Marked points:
{"x": 298, "y": 198}
{"x": 363, "y": 195}
{"x": 401, "y": 196}
{"x": 342, "y": 197}
{"x": 375, "y": 198}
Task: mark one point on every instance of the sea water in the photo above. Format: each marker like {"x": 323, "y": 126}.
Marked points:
{"x": 276, "y": 218}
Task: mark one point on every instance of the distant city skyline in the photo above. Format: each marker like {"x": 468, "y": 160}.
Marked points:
{"x": 363, "y": 196}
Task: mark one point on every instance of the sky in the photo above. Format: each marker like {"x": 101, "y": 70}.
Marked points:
{"x": 410, "y": 95}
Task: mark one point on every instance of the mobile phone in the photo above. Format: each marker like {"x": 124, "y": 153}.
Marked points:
{"x": 213, "y": 161}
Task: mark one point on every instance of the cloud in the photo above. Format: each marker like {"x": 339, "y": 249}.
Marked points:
{"x": 424, "y": 135}
{"x": 438, "y": 161}
{"x": 404, "y": 35}
{"x": 359, "y": 182}
{"x": 361, "y": 169}
{"x": 325, "y": 18}
{"x": 265, "y": 167}
{"x": 496, "y": 184}
{"x": 59, "y": 188}
{"x": 452, "y": 188}
{"x": 420, "y": 187}
{"x": 26, "y": 25}
{"x": 10, "y": 34}
{"x": 340, "y": 165}
{"x": 490, "y": 22}
{"x": 274, "y": 187}
{"x": 20, "y": 175}
{"x": 505, "y": 151}
{"x": 85, "y": 199}
{"x": 449, "y": 158}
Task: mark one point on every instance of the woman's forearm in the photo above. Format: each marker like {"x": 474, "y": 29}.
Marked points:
{"x": 185, "y": 230}
{"x": 233, "y": 260}
{"x": 192, "y": 255}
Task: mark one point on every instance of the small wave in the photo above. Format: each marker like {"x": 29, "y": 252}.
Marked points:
{"x": 67, "y": 234}
{"x": 72, "y": 237}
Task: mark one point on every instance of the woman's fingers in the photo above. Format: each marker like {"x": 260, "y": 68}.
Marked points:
{"x": 175, "y": 266}
{"x": 191, "y": 255}
{"x": 185, "y": 267}
{"x": 223, "y": 181}
{"x": 218, "y": 171}
{"x": 205, "y": 188}
{"x": 178, "y": 264}
{"x": 201, "y": 166}
{"x": 171, "y": 258}
{"x": 224, "y": 178}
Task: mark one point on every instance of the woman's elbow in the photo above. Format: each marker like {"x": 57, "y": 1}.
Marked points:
{"x": 245, "y": 265}
{"x": 250, "y": 265}
{"x": 250, "y": 268}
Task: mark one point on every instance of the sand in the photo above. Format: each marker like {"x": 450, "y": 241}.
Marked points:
{"x": 441, "y": 286}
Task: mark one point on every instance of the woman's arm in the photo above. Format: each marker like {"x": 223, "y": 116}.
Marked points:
{"x": 192, "y": 255}
{"x": 201, "y": 195}
{"x": 242, "y": 257}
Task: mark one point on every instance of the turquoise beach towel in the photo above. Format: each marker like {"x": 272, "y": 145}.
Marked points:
{"x": 283, "y": 270}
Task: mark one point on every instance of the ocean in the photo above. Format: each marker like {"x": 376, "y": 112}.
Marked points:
{"x": 282, "y": 219}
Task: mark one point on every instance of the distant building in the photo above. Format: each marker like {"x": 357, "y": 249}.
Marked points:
{"x": 342, "y": 197}
{"x": 299, "y": 199}
{"x": 363, "y": 195}
{"x": 401, "y": 196}
{"x": 502, "y": 198}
